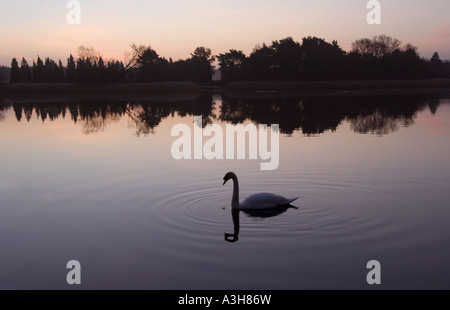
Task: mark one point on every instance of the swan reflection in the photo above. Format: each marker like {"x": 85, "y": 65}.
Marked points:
{"x": 262, "y": 214}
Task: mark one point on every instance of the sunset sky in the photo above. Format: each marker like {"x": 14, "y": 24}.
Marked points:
{"x": 174, "y": 28}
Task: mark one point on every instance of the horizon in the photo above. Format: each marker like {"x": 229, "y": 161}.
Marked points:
{"x": 175, "y": 29}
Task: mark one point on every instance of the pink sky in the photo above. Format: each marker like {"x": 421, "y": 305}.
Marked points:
{"x": 175, "y": 28}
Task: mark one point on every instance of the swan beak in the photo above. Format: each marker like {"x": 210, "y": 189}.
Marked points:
{"x": 225, "y": 181}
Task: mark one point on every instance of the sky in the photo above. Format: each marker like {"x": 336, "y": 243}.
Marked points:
{"x": 174, "y": 28}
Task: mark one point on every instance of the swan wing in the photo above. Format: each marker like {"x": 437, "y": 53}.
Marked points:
{"x": 265, "y": 201}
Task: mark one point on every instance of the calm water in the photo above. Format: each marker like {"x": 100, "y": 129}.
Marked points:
{"x": 94, "y": 181}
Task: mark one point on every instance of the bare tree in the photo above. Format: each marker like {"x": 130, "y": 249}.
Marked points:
{"x": 378, "y": 46}
{"x": 133, "y": 57}
{"x": 88, "y": 53}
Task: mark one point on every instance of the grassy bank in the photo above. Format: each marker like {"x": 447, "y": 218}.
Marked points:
{"x": 162, "y": 92}
{"x": 163, "y": 87}
{"x": 338, "y": 85}
{"x": 177, "y": 88}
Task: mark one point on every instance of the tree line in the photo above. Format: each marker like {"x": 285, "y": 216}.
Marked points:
{"x": 381, "y": 57}
{"x": 142, "y": 64}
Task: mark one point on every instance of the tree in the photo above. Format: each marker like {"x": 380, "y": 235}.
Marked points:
{"x": 86, "y": 53}
{"x": 25, "y": 72}
{"x": 378, "y": 46}
{"x": 261, "y": 66}
{"x": 115, "y": 72}
{"x": 4, "y": 74}
{"x": 38, "y": 71}
{"x": 383, "y": 57}
{"x": 15, "y": 72}
{"x": 201, "y": 64}
{"x": 403, "y": 63}
{"x": 51, "y": 71}
{"x": 435, "y": 59}
{"x": 149, "y": 65}
{"x": 71, "y": 71}
{"x": 86, "y": 71}
{"x": 437, "y": 68}
{"x": 61, "y": 73}
{"x": 232, "y": 65}
{"x": 198, "y": 68}
{"x": 321, "y": 60}
{"x": 182, "y": 70}
{"x": 101, "y": 71}
{"x": 287, "y": 59}
{"x": 147, "y": 61}
{"x": 132, "y": 58}
{"x": 203, "y": 53}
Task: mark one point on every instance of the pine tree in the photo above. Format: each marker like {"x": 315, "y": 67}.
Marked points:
{"x": 51, "y": 71}
{"x": 61, "y": 75}
{"x": 25, "y": 72}
{"x": 15, "y": 72}
{"x": 38, "y": 71}
{"x": 101, "y": 71}
{"x": 436, "y": 59}
{"x": 71, "y": 72}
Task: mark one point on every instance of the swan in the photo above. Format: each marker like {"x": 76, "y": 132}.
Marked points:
{"x": 262, "y": 201}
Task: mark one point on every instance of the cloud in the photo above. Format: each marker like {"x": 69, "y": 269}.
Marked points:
{"x": 440, "y": 33}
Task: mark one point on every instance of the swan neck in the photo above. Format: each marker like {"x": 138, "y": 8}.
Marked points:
{"x": 235, "y": 200}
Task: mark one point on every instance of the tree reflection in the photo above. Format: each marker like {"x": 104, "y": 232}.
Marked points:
{"x": 95, "y": 118}
{"x": 378, "y": 123}
{"x": 4, "y": 107}
{"x": 433, "y": 106}
{"x": 374, "y": 123}
{"x": 386, "y": 115}
{"x": 146, "y": 117}
{"x": 377, "y": 115}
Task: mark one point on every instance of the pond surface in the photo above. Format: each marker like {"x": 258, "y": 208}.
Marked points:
{"x": 95, "y": 181}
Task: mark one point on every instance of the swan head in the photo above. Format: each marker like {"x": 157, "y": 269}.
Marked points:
{"x": 228, "y": 176}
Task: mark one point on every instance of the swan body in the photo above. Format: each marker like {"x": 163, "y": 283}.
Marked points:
{"x": 262, "y": 201}
{"x": 265, "y": 201}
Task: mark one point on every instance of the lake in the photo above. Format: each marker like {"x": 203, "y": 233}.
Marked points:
{"x": 94, "y": 180}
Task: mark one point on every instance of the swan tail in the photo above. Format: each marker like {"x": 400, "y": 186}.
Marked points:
{"x": 289, "y": 201}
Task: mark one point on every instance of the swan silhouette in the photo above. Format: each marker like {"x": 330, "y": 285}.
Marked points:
{"x": 262, "y": 201}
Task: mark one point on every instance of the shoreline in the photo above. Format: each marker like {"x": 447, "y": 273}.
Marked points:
{"x": 267, "y": 87}
{"x": 361, "y": 85}
{"x": 112, "y": 88}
